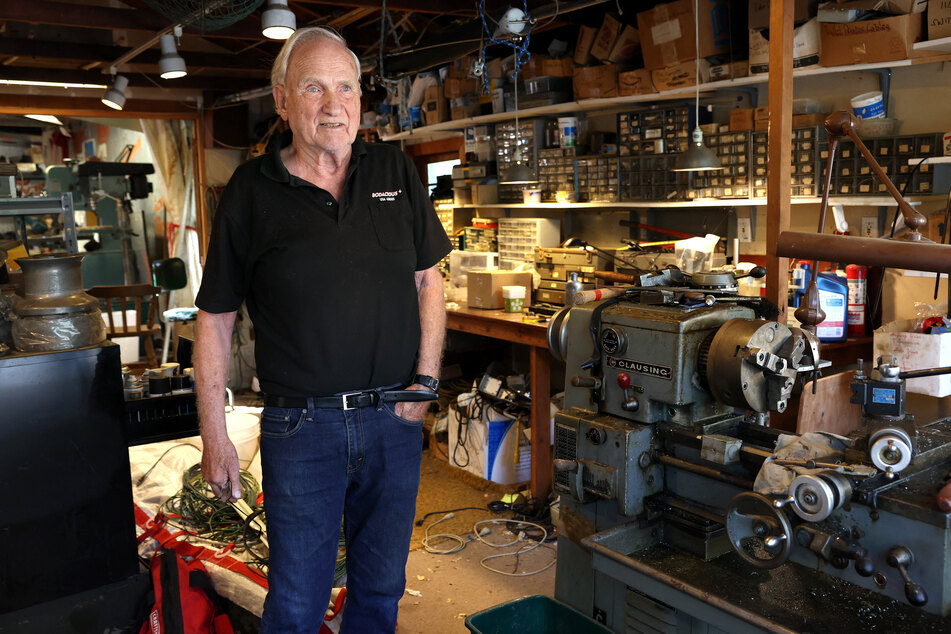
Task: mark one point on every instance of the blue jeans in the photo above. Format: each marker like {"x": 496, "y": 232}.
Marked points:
{"x": 321, "y": 464}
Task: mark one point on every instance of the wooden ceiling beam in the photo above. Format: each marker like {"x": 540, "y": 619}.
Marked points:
{"x": 195, "y": 78}
{"x": 33, "y": 49}
{"x": 93, "y": 17}
{"x": 418, "y": 6}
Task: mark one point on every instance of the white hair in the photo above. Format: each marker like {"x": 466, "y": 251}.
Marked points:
{"x": 301, "y": 36}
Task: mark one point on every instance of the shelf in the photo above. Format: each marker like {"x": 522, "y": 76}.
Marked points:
{"x": 931, "y": 160}
{"x": 846, "y": 201}
{"x": 452, "y": 128}
{"x": 941, "y": 44}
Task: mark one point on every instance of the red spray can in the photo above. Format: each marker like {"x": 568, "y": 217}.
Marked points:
{"x": 857, "y": 276}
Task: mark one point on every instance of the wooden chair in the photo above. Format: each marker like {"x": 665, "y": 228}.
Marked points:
{"x": 145, "y": 324}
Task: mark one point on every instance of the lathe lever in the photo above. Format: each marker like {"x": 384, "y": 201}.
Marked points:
{"x": 863, "y": 565}
{"x": 901, "y": 558}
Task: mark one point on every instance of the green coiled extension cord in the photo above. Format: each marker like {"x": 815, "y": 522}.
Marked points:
{"x": 195, "y": 509}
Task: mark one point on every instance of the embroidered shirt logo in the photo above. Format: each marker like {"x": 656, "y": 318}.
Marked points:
{"x": 386, "y": 196}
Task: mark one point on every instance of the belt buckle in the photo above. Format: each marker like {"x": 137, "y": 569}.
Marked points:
{"x": 346, "y": 406}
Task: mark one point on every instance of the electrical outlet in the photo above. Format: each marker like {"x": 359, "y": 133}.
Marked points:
{"x": 869, "y": 227}
{"x": 743, "y": 230}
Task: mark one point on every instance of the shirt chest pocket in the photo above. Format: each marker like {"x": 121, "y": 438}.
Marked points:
{"x": 393, "y": 223}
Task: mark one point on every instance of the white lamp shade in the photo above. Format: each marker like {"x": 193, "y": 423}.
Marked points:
{"x": 115, "y": 94}
{"x": 171, "y": 64}
{"x": 278, "y": 22}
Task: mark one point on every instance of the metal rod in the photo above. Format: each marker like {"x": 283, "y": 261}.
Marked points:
{"x": 918, "y": 256}
{"x": 707, "y": 472}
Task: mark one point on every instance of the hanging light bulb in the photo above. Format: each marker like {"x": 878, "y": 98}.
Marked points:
{"x": 520, "y": 173}
{"x": 115, "y": 94}
{"x": 698, "y": 157}
{"x": 171, "y": 64}
{"x": 277, "y": 21}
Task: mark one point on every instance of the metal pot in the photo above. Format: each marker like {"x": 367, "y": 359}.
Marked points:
{"x": 55, "y": 313}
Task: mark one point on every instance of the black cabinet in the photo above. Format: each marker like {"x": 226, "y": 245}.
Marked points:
{"x": 66, "y": 519}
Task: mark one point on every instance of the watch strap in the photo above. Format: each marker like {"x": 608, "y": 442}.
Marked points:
{"x": 426, "y": 381}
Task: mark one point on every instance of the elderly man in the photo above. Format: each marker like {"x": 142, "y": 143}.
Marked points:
{"x": 333, "y": 244}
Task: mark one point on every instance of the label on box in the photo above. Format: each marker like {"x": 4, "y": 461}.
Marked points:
{"x": 665, "y": 31}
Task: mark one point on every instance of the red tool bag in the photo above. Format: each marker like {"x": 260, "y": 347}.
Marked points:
{"x": 185, "y": 602}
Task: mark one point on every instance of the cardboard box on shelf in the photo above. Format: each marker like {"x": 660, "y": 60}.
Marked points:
{"x": 595, "y": 82}
{"x": 667, "y": 32}
{"x": 939, "y": 19}
{"x": 545, "y": 66}
{"x": 759, "y": 12}
{"x": 870, "y": 41}
{"x": 741, "y": 119}
{"x": 583, "y": 45}
{"x": 810, "y": 119}
{"x": 456, "y": 87}
{"x": 493, "y": 68}
{"x": 680, "y": 75}
{"x": 916, "y": 351}
{"x": 627, "y": 47}
{"x": 760, "y": 112}
{"x": 635, "y": 82}
{"x": 732, "y": 70}
{"x": 463, "y": 108}
{"x": 805, "y": 48}
{"x": 605, "y": 37}
{"x": 485, "y": 287}
{"x": 435, "y": 107}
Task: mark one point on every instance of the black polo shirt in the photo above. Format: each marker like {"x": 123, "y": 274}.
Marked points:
{"x": 329, "y": 285}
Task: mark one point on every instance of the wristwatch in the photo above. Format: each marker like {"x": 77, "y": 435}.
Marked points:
{"x": 426, "y": 381}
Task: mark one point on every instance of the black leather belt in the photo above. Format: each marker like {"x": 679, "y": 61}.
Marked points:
{"x": 351, "y": 400}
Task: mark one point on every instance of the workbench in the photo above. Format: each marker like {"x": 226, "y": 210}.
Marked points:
{"x": 510, "y": 327}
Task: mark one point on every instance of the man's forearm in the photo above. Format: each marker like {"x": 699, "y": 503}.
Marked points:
{"x": 432, "y": 320}
{"x": 212, "y": 362}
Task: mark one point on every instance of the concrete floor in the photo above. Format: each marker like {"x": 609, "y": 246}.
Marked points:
{"x": 443, "y": 589}
{"x": 453, "y": 586}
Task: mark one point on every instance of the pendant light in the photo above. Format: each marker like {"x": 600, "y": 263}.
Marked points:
{"x": 520, "y": 173}
{"x": 698, "y": 157}
{"x": 115, "y": 94}
{"x": 278, "y": 22}
{"x": 171, "y": 64}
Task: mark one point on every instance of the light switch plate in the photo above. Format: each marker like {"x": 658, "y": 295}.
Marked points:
{"x": 743, "y": 230}
{"x": 869, "y": 227}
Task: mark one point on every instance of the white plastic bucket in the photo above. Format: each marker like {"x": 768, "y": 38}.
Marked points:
{"x": 568, "y": 131}
{"x": 531, "y": 195}
{"x": 244, "y": 430}
{"x": 869, "y": 105}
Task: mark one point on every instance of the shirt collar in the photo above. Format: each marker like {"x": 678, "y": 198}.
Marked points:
{"x": 273, "y": 167}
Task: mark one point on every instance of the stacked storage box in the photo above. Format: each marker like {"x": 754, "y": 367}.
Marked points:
{"x": 852, "y": 175}
{"x": 530, "y": 139}
{"x": 518, "y": 238}
{"x": 805, "y": 178}
{"x": 556, "y": 171}
{"x": 597, "y": 178}
{"x": 481, "y": 239}
{"x": 555, "y": 267}
{"x": 648, "y": 143}
{"x": 733, "y": 181}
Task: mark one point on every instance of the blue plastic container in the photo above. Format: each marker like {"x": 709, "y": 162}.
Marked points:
{"x": 833, "y": 300}
{"x": 533, "y": 615}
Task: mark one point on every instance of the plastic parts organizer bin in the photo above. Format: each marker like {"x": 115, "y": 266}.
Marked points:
{"x": 537, "y": 614}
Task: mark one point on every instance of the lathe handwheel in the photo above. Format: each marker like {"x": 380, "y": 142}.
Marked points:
{"x": 759, "y": 532}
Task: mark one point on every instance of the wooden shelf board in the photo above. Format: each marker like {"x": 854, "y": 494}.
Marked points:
{"x": 609, "y": 103}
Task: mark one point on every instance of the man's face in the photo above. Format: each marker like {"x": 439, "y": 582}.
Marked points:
{"x": 320, "y": 98}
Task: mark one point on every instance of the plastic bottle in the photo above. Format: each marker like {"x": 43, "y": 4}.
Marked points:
{"x": 833, "y": 300}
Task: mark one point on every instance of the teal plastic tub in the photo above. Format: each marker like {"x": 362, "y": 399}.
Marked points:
{"x": 533, "y": 615}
